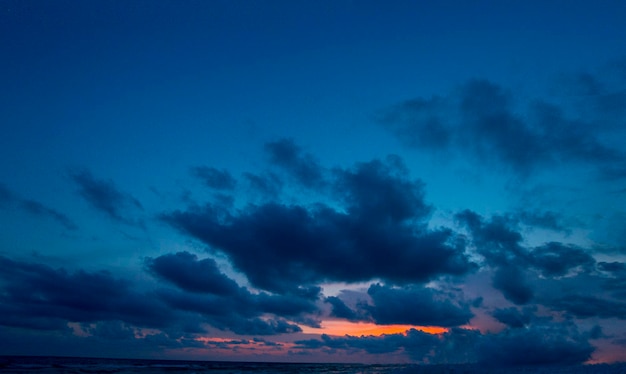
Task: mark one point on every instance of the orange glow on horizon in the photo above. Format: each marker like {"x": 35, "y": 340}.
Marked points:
{"x": 341, "y": 328}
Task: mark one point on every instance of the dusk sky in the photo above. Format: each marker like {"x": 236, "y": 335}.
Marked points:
{"x": 314, "y": 181}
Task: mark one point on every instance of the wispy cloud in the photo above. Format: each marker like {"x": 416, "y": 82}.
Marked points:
{"x": 105, "y": 197}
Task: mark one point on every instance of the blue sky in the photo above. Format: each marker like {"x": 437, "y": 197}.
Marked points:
{"x": 235, "y": 179}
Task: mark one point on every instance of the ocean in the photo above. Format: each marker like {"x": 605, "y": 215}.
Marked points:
{"x": 48, "y": 365}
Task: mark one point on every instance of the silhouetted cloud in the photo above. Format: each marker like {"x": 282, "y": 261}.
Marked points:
{"x": 542, "y": 219}
{"x": 341, "y": 310}
{"x": 556, "y": 259}
{"x": 512, "y": 281}
{"x": 187, "y": 272}
{"x": 35, "y": 294}
{"x": 513, "y": 317}
{"x": 214, "y": 178}
{"x": 480, "y": 119}
{"x": 104, "y": 196}
{"x": 587, "y": 306}
{"x": 267, "y": 185}
{"x": 39, "y": 209}
{"x": 10, "y": 199}
{"x": 553, "y": 344}
{"x": 500, "y": 242}
{"x": 286, "y": 154}
{"x": 415, "y": 306}
{"x": 418, "y": 344}
{"x": 381, "y": 233}
{"x": 544, "y": 344}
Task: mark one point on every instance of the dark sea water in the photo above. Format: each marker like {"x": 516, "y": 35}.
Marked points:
{"x": 45, "y": 365}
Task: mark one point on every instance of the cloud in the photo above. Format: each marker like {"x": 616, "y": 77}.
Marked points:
{"x": 514, "y": 265}
{"x": 480, "y": 120}
{"x": 9, "y": 199}
{"x": 36, "y": 296}
{"x": 512, "y": 281}
{"x": 415, "y": 306}
{"x": 39, "y": 209}
{"x": 303, "y": 167}
{"x": 39, "y": 296}
{"x": 187, "y": 272}
{"x": 556, "y": 259}
{"x": 214, "y": 178}
{"x": 539, "y": 345}
{"x": 543, "y": 344}
{"x": 240, "y": 313}
{"x": 104, "y": 196}
{"x": 267, "y": 185}
{"x": 513, "y": 317}
{"x": 418, "y": 344}
{"x": 542, "y": 219}
{"x": 379, "y": 233}
{"x": 341, "y": 310}
{"x": 588, "y": 306}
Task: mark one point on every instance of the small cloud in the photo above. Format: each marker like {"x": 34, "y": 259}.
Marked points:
{"x": 303, "y": 167}
{"x": 214, "y": 178}
{"x": 105, "y": 197}
{"x": 8, "y": 198}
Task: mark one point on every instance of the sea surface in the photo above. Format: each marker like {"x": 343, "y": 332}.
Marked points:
{"x": 45, "y": 365}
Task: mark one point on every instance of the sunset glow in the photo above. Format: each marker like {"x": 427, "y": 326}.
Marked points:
{"x": 340, "y": 328}
{"x": 416, "y": 182}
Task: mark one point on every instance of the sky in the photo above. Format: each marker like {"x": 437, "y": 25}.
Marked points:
{"x": 314, "y": 181}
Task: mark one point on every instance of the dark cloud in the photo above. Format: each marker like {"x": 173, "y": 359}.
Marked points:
{"x": 556, "y": 259}
{"x": 187, "y": 272}
{"x": 9, "y": 199}
{"x": 588, "y": 306}
{"x": 104, "y": 196}
{"x": 303, "y": 167}
{"x": 381, "y": 233}
{"x": 240, "y": 314}
{"x": 481, "y": 120}
{"x": 415, "y": 306}
{"x": 6, "y": 196}
{"x": 514, "y": 266}
{"x": 418, "y": 344}
{"x": 39, "y": 209}
{"x": 33, "y": 295}
{"x": 268, "y": 185}
{"x": 612, "y": 267}
{"x": 341, "y": 310}
{"x": 543, "y": 344}
{"x": 539, "y": 345}
{"x": 542, "y": 219}
{"x": 36, "y": 296}
{"x": 513, "y": 317}
{"x": 214, "y": 178}
{"x": 217, "y": 300}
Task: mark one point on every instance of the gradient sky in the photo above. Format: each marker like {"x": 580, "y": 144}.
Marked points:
{"x": 314, "y": 180}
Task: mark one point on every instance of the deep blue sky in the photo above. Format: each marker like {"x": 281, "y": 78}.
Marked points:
{"x": 229, "y": 180}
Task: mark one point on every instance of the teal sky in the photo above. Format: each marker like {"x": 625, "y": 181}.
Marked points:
{"x": 252, "y": 170}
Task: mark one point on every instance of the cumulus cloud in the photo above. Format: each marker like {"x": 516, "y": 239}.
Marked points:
{"x": 415, "y": 306}
{"x": 10, "y": 199}
{"x": 481, "y": 120}
{"x": 416, "y": 343}
{"x": 214, "y": 178}
{"x": 39, "y": 296}
{"x": 187, "y": 272}
{"x": 379, "y": 233}
{"x": 552, "y": 344}
{"x": 105, "y": 197}
{"x": 515, "y": 265}
{"x": 513, "y": 317}
{"x": 303, "y": 167}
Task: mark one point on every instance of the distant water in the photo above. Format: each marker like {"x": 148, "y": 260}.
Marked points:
{"x": 48, "y": 365}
